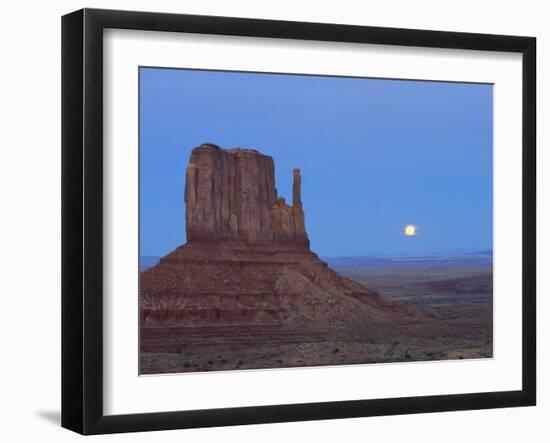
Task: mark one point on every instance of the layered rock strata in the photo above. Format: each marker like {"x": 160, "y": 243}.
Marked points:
{"x": 231, "y": 195}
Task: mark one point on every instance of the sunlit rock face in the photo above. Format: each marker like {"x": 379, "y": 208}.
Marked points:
{"x": 230, "y": 194}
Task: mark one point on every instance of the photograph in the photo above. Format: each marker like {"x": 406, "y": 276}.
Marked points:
{"x": 292, "y": 219}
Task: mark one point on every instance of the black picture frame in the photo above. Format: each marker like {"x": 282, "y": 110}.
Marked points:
{"x": 82, "y": 218}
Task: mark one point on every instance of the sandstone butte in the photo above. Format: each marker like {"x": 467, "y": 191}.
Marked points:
{"x": 231, "y": 195}
{"x": 247, "y": 274}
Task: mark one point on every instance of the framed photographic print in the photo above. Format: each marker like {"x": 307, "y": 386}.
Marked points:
{"x": 269, "y": 221}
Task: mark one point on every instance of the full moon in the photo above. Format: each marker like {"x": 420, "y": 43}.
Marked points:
{"x": 410, "y": 230}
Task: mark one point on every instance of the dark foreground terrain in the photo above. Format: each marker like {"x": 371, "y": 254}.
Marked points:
{"x": 459, "y": 294}
{"x": 453, "y": 296}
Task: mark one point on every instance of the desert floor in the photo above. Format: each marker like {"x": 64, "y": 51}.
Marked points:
{"x": 459, "y": 296}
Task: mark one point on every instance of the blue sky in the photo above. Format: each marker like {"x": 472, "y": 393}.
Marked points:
{"x": 375, "y": 155}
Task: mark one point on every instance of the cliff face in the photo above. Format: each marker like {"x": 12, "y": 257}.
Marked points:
{"x": 231, "y": 195}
